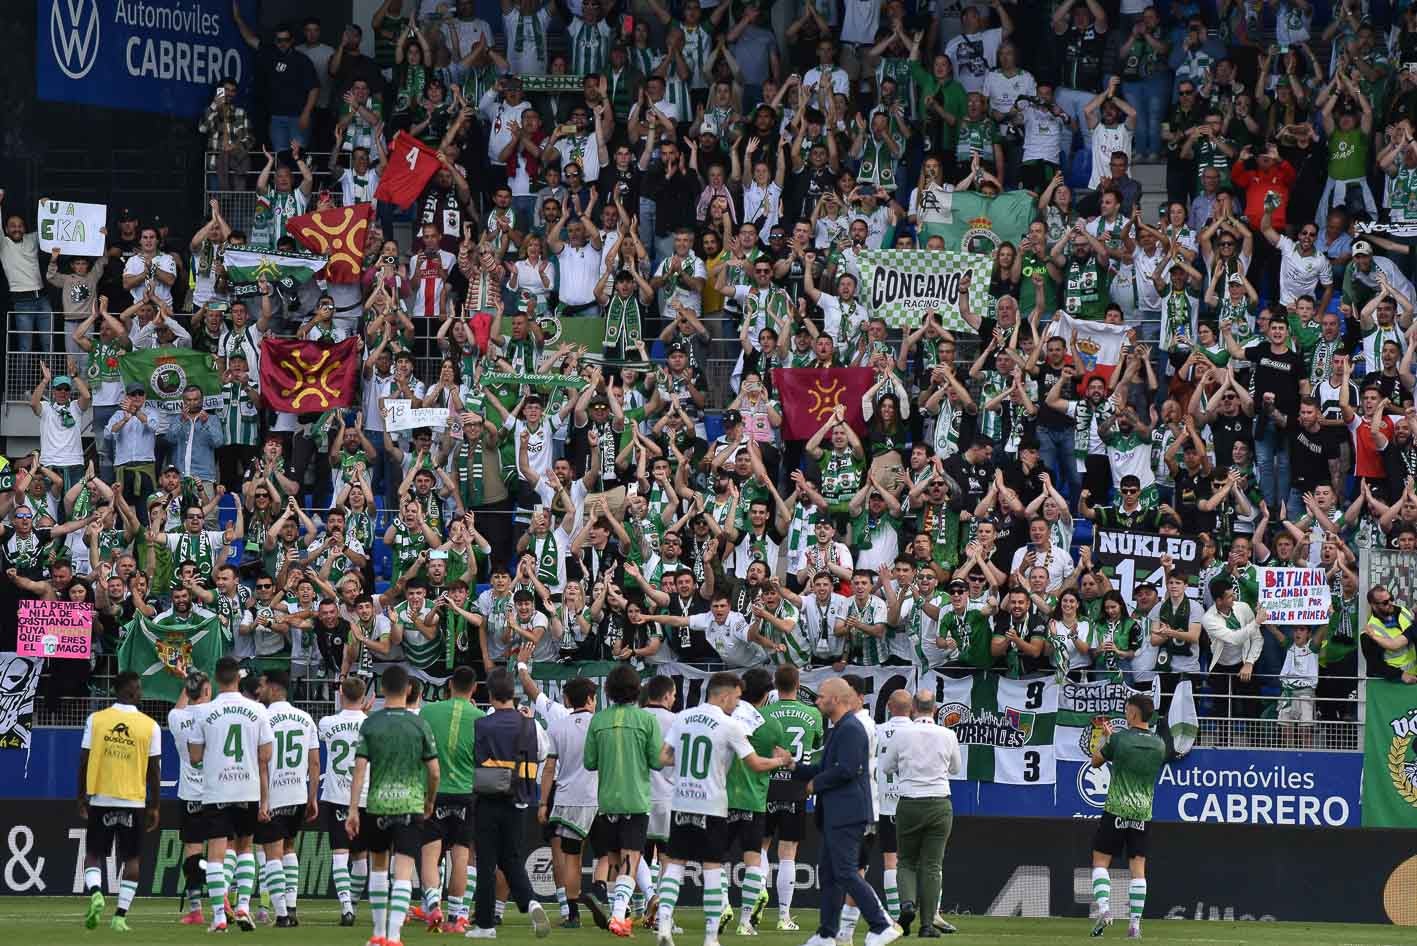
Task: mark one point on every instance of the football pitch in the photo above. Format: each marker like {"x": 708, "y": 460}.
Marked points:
{"x": 40, "y": 921}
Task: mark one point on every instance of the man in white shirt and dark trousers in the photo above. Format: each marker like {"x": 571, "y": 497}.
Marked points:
{"x": 919, "y": 760}
{"x": 29, "y": 300}
{"x": 1235, "y": 645}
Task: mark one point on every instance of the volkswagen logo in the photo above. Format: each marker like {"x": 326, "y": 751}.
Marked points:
{"x": 73, "y": 35}
{"x": 1093, "y": 784}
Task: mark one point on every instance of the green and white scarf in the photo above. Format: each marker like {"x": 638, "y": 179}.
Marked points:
{"x": 623, "y": 324}
{"x": 547, "y": 552}
{"x": 196, "y": 548}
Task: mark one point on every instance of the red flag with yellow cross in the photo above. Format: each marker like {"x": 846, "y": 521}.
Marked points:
{"x": 338, "y": 233}
{"x": 808, "y": 395}
{"x": 304, "y": 377}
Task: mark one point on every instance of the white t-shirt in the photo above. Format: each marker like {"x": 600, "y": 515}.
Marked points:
{"x": 819, "y": 622}
{"x": 661, "y": 781}
{"x": 499, "y": 116}
{"x": 705, "y": 740}
{"x": 834, "y": 310}
{"x": 973, "y": 56}
{"x": 61, "y": 443}
{"x": 340, "y": 734}
{"x": 887, "y": 792}
{"x": 538, "y": 445}
{"x": 1042, "y": 133}
{"x": 579, "y": 272}
{"x": 233, "y": 729}
{"x": 180, "y": 723}
{"x": 154, "y": 749}
{"x": 869, "y": 724}
{"x": 296, "y": 738}
{"x": 730, "y": 638}
{"x": 860, "y": 20}
{"x": 575, "y": 784}
{"x": 162, "y": 262}
{"x": 1003, "y": 91}
{"x": 1107, "y": 140}
{"x": 1301, "y": 274}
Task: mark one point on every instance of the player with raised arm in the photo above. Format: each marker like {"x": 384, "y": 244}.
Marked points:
{"x": 196, "y": 692}
{"x": 787, "y": 798}
{"x": 398, "y": 757}
{"x": 295, "y": 773}
{"x": 340, "y": 734}
{"x": 702, "y": 743}
{"x": 232, "y": 742}
{"x": 120, "y": 762}
{"x": 1136, "y": 754}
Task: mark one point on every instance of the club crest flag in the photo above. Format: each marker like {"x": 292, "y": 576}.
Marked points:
{"x": 166, "y": 373}
{"x": 970, "y": 222}
{"x": 338, "y": 234}
{"x": 163, "y": 652}
{"x": 1097, "y": 345}
{"x": 304, "y": 377}
{"x": 1390, "y": 756}
{"x": 901, "y": 286}
{"x": 286, "y": 271}
{"x": 808, "y": 395}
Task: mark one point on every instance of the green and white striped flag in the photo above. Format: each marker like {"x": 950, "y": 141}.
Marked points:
{"x": 1087, "y": 715}
{"x": 245, "y": 267}
{"x": 900, "y": 286}
{"x": 1005, "y": 727}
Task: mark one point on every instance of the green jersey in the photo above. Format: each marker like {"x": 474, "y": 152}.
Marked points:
{"x": 748, "y": 790}
{"x": 622, "y": 745}
{"x": 1136, "y": 756}
{"x": 452, "y": 722}
{"x": 397, "y": 745}
{"x": 801, "y": 724}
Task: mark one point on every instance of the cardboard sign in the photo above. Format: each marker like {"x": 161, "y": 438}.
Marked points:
{"x": 1295, "y": 595}
{"x": 77, "y": 229}
{"x": 400, "y": 414}
{"x": 61, "y": 630}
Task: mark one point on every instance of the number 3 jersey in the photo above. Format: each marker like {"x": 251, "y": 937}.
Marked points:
{"x": 340, "y": 734}
{"x": 295, "y": 737}
{"x": 705, "y": 741}
{"x": 232, "y": 729}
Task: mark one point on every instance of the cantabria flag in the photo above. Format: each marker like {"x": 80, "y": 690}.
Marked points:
{"x": 288, "y": 270}
{"x": 901, "y": 286}
{"x": 162, "y": 652}
{"x": 1005, "y": 727}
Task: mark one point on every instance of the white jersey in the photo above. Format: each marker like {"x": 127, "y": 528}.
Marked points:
{"x": 296, "y": 738}
{"x": 661, "y": 781}
{"x": 869, "y": 725}
{"x": 233, "y": 729}
{"x": 705, "y": 741}
{"x": 340, "y": 734}
{"x": 180, "y": 723}
{"x": 575, "y": 784}
{"x": 887, "y": 792}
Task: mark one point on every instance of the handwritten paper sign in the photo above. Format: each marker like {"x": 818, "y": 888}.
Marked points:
{"x": 400, "y": 414}
{"x": 1294, "y": 595}
{"x": 77, "y": 229}
{"x": 57, "y": 629}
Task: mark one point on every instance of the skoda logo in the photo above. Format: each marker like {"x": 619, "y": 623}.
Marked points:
{"x": 1093, "y": 784}
{"x": 73, "y": 35}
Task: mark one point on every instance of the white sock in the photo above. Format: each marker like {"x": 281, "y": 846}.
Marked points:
{"x": 786, "y": 874}
{"x": 339, "y": 870}
{"x": 273, "y": 878}
{"x": 399, "y": 899}
{"x": 470, "y": 894}
{"x": 671, "y": 876}
{"x": 624, "y": 889}
{"x": 93, "y": 879}
{"x": 379, "y": 901}
{"x": 713, "y": 900}
{"x": 216, "y": 890}
{"x": 501, "y": 909}
{"x": 562, "y": 902}
{"x": 432, "y": 896}
{"x": 290, "y": 865}
{"x": 127, "y": 889}
{"x": 644, "y": 879}
{"x": 849, "y": 916}
{"x": 358, "y": 878}
{"x": 1102, "y": 889}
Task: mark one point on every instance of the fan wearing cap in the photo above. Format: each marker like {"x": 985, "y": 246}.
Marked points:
{"x": 1363, "y": 279}
{"x": 626, "y": 310}
{"x": 956, "y": 641}
{"x": 61, "y": 421}
{"x": 24, "y": 546}
{"x": 134, "y": 429}
{"x": 1234, "y": 301}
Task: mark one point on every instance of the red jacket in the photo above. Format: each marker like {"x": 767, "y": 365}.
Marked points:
{"x": 1258, "y": 183}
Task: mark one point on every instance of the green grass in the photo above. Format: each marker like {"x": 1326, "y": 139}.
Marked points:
{"x": 40, "y": 921}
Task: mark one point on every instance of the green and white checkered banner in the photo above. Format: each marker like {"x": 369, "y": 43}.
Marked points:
{"x": 901, "y": 286}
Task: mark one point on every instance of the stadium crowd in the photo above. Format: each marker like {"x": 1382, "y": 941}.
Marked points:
{"x": 690, "y": 174}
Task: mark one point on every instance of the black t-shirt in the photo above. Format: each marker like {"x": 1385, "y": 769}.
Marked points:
{"x": 1226, "y": 431}
{"x": 1047, "y": 376}
{"x": 1308, "y": 459}
{"x": 1401, "y": 465}
{"x": 1277, "y": 374}
{"x": 973, "y": 480}
{"x": 1391, "y": 388}
{"x": 627, "y": 182}
{"x": 688, "y": 645}
{"x": 1030, "y": 628}
{"x": 1028, "y": 485}
{"x": 288, "y": 77}
{"x": 1190, "y": 489}
{"x": 808, "y": 185}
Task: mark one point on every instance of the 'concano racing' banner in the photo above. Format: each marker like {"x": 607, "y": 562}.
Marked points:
{"x": 901, "y": 286}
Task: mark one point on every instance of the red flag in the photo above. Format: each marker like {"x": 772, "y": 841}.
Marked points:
{"x": 808, "y": 395}
{"x": 404, "y": 175}
{"x": 308, "y": 377}
{"x": 338, "y": 233}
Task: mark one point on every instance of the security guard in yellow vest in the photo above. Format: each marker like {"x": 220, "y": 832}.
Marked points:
{"x": 119, "y": 772}
{"x": 1389, "y": 638}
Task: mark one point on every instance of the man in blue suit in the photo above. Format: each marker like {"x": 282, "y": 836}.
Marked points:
{"x": 841, "y": 781}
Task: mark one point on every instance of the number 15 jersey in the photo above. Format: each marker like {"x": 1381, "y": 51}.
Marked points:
{"x": 233, "y": 729}
{"x": 705, "y": 741}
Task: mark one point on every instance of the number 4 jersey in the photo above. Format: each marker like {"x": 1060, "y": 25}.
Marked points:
{"x": 705, "y": 741}
{"x": 340, "y": 734}
{"x": 295, "y": 736}
{"x": 232, "y": 729}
